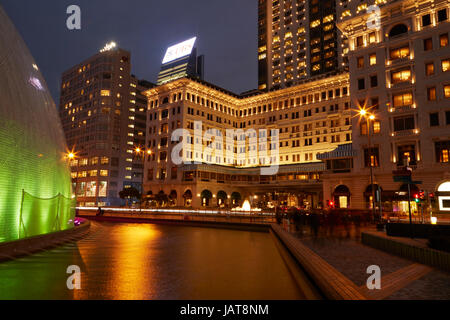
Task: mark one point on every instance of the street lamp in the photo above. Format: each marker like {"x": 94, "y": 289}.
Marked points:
{"x": 370, "y": 117}
{"x": 138, "y": 152}
{"x": 71, "y": 156}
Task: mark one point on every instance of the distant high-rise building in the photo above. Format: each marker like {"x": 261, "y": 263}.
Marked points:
{"x": 103, "y": 116}
{"x": 297, "y": 40}
{"x": 181, "y": 61}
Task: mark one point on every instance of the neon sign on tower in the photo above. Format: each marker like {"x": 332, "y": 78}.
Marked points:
{"x": 179, "y": 50}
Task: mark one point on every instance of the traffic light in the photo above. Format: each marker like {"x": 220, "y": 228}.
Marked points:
{"x": 432, "y": 198}
{"x": 330, "y": 203}
{"x": 416, "y": 198}
{"x": 422, "y": 195}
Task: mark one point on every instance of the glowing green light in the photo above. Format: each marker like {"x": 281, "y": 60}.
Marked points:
{"x": 35, "y": 185}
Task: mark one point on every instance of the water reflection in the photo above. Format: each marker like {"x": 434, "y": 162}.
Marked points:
{"x": 143, "y": 261}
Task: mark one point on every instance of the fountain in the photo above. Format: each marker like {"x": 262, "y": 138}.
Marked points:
{"x": 246, "y": 206}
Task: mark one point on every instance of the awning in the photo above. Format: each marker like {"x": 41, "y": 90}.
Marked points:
{"x": 342, "y": 151}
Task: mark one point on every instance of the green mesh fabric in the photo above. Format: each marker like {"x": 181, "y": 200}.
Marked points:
{"x": 41, "y": 216}
{"x": 32, "y": 144}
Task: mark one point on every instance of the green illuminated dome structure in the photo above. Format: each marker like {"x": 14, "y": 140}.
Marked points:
{"x": 35, "y": 186}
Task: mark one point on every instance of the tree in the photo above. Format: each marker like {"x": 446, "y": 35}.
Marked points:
{"x": 236, "y": 198}
{"x": 129, "y": 193}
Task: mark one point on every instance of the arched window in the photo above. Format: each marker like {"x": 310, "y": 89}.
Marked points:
{"x": 341, "y": 196}
{"x": 444, "y": 187}
{"x": 398, "y": 30}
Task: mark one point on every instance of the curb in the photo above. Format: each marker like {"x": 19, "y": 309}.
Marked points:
{"x": 24, "y": 247}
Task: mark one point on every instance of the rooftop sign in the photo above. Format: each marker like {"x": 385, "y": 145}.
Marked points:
{"x": 179, "y": 50}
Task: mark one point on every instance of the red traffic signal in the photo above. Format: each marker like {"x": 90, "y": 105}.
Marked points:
{"x": 422, "y": 195}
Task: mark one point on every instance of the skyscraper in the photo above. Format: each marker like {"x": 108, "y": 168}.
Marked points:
{"x": 297, "y": 40}
{"x": 103, "y": 117}
{"x": 180, "y": 61}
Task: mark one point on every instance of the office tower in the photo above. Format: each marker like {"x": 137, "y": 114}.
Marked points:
{"x": 180, "y": 61}
{"x": 399, "y": 74}
{"x": 297, "y": 40}
{"x": 102, "y": 117}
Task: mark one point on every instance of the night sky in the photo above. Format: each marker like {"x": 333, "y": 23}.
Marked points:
{"x": 226, "y": 31}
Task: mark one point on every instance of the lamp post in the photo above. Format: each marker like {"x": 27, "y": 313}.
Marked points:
{"x": 71, "y": 156}
{"x": 138, "y": 151}
{"x": 363, "y": 113}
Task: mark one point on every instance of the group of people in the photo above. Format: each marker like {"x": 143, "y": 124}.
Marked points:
{"x": 326, "y": 222}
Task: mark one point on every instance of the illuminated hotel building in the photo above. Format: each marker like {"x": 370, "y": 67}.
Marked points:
{"x": 103, "y": 116}
{"x": 399, "y": 72}
{"x": 312, "y": 117}
{"x": 297, "y": 39}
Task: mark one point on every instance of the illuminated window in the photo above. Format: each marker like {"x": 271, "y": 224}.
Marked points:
{"x": 402, "y": 100}
{"x": 103, "y": 173}
{"x": 105, "y": 93}
{"x": 376, "y": 126}
{"x": 373, "y": 59}
{"x": 443, "y": 40}
{"x": 401, "y": 76}
{"x": 91, "y": 188}
{"x": 328, "y": 18}
{"x": 399, "y": 53}
{"x": 93, "y": 173}
{"x": 447, "y": 91}
{"x": 371, "y": 157}
{"x": 315, "y": 23}
{"x": 431, "y": 94}
{"x": 429, "y": 69}
{"x": 442, "y": 151}
{"x": 102, "y": 188}
{"x": 445, "y": 65}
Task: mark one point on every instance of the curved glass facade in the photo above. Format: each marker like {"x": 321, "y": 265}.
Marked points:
{"x": 35, "y": 185}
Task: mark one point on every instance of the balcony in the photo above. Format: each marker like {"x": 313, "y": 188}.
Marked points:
{"x": 403, "y": 109}
{"x": 404, "y": 133}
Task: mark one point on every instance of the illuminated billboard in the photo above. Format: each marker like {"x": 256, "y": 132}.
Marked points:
{"x": 179, "y": 50}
